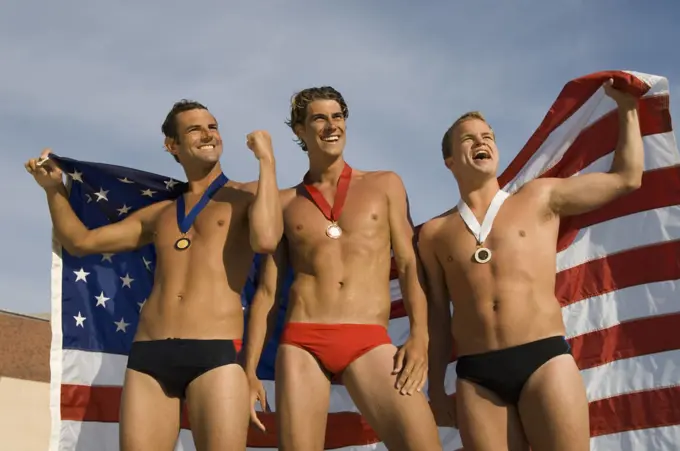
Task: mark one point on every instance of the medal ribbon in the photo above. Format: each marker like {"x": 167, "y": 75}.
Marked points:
{"x": 481, "y": 232}
{"x": 332, "y": 214}
{"x": 184, "y": 223}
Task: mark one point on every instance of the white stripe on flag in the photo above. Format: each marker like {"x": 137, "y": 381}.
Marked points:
{"x": 647, "y": 372}
{"x": 616, "y": 307}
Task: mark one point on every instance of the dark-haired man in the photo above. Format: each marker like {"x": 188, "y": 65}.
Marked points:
{"x": 340, "y": 224}
{"x": 190, "y": 329}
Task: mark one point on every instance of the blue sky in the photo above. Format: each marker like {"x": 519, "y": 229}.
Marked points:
{"x": 94, "y": 82}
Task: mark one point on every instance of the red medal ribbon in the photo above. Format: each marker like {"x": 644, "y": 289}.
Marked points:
{"x": 332, "y": 214}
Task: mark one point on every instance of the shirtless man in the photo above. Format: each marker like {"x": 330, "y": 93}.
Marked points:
{"x": 190, "y": 329}
{"x": 339, "y": 226}
{"x": 517, "y": 385}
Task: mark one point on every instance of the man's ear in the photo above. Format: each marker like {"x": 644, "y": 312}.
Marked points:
{"x": 170, "y": 146}
{"x": 298, "y": 129}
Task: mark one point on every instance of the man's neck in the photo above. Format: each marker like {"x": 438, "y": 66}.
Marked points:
{"x": 200, "y": 177}
{"x": 324, "y": 169}
{"x": 478, "y": 196}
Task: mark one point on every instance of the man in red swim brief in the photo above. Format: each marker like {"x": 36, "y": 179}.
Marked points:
{"x": 340, "y": 225}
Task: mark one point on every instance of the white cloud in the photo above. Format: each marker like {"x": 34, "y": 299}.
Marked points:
{"x": 96, "y": 81}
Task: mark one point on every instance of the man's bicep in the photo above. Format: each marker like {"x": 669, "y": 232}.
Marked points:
{"x": 583, "y": 193}
{"x": 129, "y": 234}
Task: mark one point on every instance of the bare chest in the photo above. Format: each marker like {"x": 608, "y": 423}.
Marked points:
{"x": 364, "y": 216}
{"x": 519, "y": 233}
{"x": 212, "y": 225}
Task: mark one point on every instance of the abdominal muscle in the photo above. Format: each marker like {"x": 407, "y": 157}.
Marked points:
{"x": 342, "y": 283}
{"x": 516, "y": 306}
{"x": 192, "y": 296}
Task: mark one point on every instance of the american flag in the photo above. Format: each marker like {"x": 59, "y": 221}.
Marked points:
{"x": 618, "y": 281}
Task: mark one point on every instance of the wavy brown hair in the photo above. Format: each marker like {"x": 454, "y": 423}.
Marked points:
{"x": 301, "y": 100}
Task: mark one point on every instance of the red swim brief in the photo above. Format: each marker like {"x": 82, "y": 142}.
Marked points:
{"x": 335, "y": 346}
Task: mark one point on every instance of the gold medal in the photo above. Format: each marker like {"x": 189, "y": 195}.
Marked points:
{"x": 333, "y": 231}
{"x": 482, "y": 255}
{"x": 182, "y": 243}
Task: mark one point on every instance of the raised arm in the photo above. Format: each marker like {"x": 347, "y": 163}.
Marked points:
{"x": 128, "y": 234}
{"x": 583, "y": 193}
{"x": 414, "y": 369}
{"x": 262, "y": 317}
{"x": 265, "y": 216}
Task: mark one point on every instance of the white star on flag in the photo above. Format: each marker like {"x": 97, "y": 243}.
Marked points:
{"x": 102, "y": 194}
{"x": 125, "y": 180}
{"x": 170, "y": 184}
{"x": 121, "y": 325}
{"x": 81, "y": 275}
{"x": 101, "y": 300}
{"x": 89, "y": 198}
{"x": 141, "y": 304}
{"x": 107, "y": 257}
{"x": 76, "y": 176}
{"x": 123, "y": 210}
{"x": 80, "y": 320}
{"x": 127, "y": 281}
{"x": 146, "y": 263}
{"x": 148, "y": 192}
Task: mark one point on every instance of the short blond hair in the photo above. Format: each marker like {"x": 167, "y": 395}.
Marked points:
{"x": 447, "y": 141}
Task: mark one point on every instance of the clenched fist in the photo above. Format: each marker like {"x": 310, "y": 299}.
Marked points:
{"x": 622, "y": 98}
{"x": 44, "y": 171}
{"x": 260, "y": 142}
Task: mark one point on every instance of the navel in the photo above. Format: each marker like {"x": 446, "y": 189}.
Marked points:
{"x": 522, "y": 233}
{"x": 299, "y": 227}
{"x": 220, "y": 222}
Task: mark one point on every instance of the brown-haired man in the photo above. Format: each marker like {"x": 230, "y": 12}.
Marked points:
{"x": 191, "y": 326}
{"x": 339, "y": 226}
{"x": 493, "y": 257}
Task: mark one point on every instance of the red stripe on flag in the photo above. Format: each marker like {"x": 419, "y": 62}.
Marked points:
{"x": 660, "y": 188}
{"x": 571, "y": 98}
{"x": 645, "y": 336}
{"x": 616, "y": 271}
{"x": 632, "y": 411}
{"x": 398, "y": 309}
{"x": 600, "y": 138}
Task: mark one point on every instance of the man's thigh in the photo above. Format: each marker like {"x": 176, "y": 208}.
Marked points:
{"x": 149, "y": 419}
{"x": 302, "y": 397}
{"x": 403, "y": 422}
{"x": 554, "y": 407}
{"x": 219, "y": 411}
{"x": 485, "y": 422}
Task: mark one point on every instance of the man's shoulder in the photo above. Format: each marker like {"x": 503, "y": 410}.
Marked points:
{"x": 430, "y": 229}
{"x": 152, "y": 210}
{"x": 387, "y": 180}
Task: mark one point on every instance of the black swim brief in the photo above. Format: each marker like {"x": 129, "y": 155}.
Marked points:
{"x": 505, "y": 371}
{"x": 176, "y": 362}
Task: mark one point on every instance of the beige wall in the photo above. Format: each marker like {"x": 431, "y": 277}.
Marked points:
{"x": 24, "y": 415}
